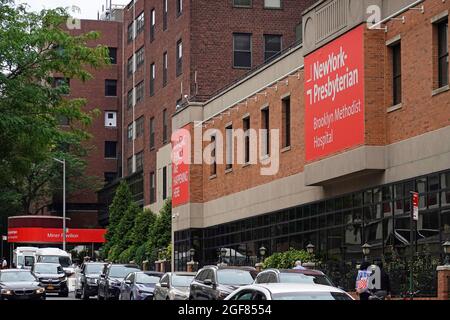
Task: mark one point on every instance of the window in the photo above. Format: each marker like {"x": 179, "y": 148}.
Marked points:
{"x": 130, "y": 132}
{"x": 140, "y": 57}
{"x": 179, "y": 7}
{"x": 110, "y": 177}
{"x": 152, "y": 133}
{"x": 179, "y": 57}
{"x": 299, "y": 33}
{"x": 242, "y": 50}
{"x": 152, "y": 188}
{"x": 442, "y": 28}
{"x": 229, "y": 146}
{"x": 111, "y": 119}
{"x": 110, "y": 149}
{"x": 112, "y": 55}
{"x": 179, "y": 103}
{"x": 265, "y": 126}
{"x": 139, "y": 161}
{"x": 139, "y": 127}
{"x": 165, "y": 128}
{"x": 130, "y": 67}
{"x": 152, "y": 25}
{"x": 130, "y": 32}
{"x": 140, "y": 23}
{"x": 130, "y": 165}
{"x": 396, "y": 74}
{"x": 152, "y": 79}
{"x": 242, "y": 3}
{"x": 272, "y": 46}
{"x": 130, "y": 99}
{"x": 165, "y": 9}
{"x": 140, "y": 92}
{"x": 165, "y": 66}
{"x": 111, "y": 88}
{"x": 286, "y": 122}
{"x": 213, "y": 156}
{"x": 272, "y": 4}
{"x": 246, "y": 126}
{"x": 164, "y": 181}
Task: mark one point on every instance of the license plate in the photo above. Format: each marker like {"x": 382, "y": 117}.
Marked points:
{"x": 50, "y": 287}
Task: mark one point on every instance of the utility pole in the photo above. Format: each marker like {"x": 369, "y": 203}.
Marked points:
{"x": 414, "y": 216}
{"x": 63, "y": 162}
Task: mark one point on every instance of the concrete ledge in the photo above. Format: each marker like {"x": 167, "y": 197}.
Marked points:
{"x": 443, "y": 268}
{"x": 357, "y": 161}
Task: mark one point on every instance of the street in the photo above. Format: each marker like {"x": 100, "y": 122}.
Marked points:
{"x": 54, "y": 297}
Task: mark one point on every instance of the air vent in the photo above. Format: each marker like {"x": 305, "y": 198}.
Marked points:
{"x": 330, "y": 19}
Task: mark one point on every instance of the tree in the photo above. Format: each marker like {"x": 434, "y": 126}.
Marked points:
{"x": 145, "y": 221}
{"x": 121, "y": 202}
{"x": 124, "y": 231}
{"x": 286, "y": 260}
{"x": 160, "y": 234}
{"x": 34, "y": 49}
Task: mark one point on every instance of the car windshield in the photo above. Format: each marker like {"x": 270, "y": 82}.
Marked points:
{"x": 310, "y": 296}
{"x": 182, "y": 281}
{"x": 63, "y": 261}
{"x": 143, "y": 278}
{"x": 94, "y": 268}
{"x": 303, "y": 278}
{"x": 47, "y": 268}
{"x": 121, "y": 272}
{"x": 16, "y": 277}
{"x": 234, "y": 277}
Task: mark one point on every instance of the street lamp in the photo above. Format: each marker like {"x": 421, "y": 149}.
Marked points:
{"x": 192, "y": 253}
{"x": 262, "y": 252}
{"x": 366, "y": 250}
{"x": 310, "y": 248}
{"x": 223, "y": 254}
{"x": 63, "y": 162}
{"x": 446, "y": 246}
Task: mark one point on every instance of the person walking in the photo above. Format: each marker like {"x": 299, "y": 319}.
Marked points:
{"x": 298, "y": 265}
{"x": 362, "y": 281}
{"x": 4, "y": 263}
{"x": 385, "y": 281}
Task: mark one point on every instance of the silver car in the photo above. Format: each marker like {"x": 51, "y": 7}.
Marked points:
{"x": 174, "y": 286}
{"x": 288, "y": 291}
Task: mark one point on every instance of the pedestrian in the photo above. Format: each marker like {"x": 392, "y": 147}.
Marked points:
{"x": 298, "y": 265}
{"x": 362, "y": 281}
{"x": 385, "y": 281}
{"x": 4, "y": 263}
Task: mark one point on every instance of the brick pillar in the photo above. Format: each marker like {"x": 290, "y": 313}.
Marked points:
{"x": 163, "y": 266}
{"x": 158, "y": 266}
{"x": 443, "y": 282}
{"x": 145, "y": 265}
{"x": 192, "y": 266}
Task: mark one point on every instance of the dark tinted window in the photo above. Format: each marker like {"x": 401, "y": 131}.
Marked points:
{"x": 272, "y": 46}
{"x": 242, "y": 57}
{"x": 110, "y": 88}
{"x": 111, "y": 149}
{"x": 113, "y": 55}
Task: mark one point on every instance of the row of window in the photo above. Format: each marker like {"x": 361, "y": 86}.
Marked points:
{"x": 268, "y": 4}
{"x": 265, "y": 126}
{"x": 442, "y": 62}
{"x": 136, "y": 129}
{"x": 242, "y": 48}
{"x": 165, "y": 182}
{"x": 138, "y": 26}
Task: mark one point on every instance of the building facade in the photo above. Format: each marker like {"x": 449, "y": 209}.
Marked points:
{"x": 352, "y": 121}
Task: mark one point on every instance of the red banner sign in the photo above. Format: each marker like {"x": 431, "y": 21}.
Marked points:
{"x": 415, "y": 203}
{"x": 334, "y": 96}
{"x": 47, "y": 235}
{"x": 181, "y": 146}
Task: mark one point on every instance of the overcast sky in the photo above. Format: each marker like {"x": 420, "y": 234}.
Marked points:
{"x": 88, "y": 8}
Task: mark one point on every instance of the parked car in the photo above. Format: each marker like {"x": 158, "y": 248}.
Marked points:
{"x": 288, "y": 291}
{"x": 139, "y": 285}
{"x": 52, "y": 277}
{"x": 111, "y": 279}
{"x": 293, "y": 276}
{"x": 174, "y": 286}
{"x": 20, "y": 285}
{"x": 86, "y": 280}
{"x": 215, "y": 283}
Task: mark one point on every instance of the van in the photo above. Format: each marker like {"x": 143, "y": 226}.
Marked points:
{"x": 56, "y": 255}
{"x": 24, "y": 257}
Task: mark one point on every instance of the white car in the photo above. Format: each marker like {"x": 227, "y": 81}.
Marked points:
{"x": 288, "y": 291}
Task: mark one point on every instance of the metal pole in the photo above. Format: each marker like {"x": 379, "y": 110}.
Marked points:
{"x": 64, "y": 204}
{"x": 411, "y": 246}
{"x": 1, "y": 255}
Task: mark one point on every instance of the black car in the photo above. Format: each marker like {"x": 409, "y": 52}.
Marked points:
{"x": 111, "y": 280}
{"x": 20, "y": 285}
{"x": 52, "y": 277}
{"x": 293, "y": 276}
{"x": 216, "y": 283}
{"x": 86, "y": 283}
{"x": 139, "y": 285}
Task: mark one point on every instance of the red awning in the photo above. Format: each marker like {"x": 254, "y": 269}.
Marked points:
{"x": 49, "y": 235}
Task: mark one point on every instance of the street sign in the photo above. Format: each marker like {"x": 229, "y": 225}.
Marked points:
{"x": 4, "y": 238}
{"x": 415, "y": 206}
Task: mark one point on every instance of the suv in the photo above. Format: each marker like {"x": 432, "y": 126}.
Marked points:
{"x": 52, "y": 277}
{"x": 86, "y": 282}
{"x": 293, "y": 276}
{"x": 111, "y": 279}
{"x": 217, "y": 282}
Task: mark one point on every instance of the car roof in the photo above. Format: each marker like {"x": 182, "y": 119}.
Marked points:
{"x": 15, "y": 270}
{"x": 47, "y": 263}
{"x": 305, "y": 272}
{"x": 183, "y": 273}
{"x": 230, "y": 268}
{"x": 295, "y": 287}
{"x": 153, "y": 273}
{"x": 127, "y": 265}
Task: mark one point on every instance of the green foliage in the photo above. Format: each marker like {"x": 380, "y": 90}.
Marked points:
{"x": 160, "y": 233}
{"x": 286, "y": 260}
{"x": 143, "y": 223}
{"x": 34, "y": 46}
{"x": 128, "y": 255}
{"x": 124, "y": 231}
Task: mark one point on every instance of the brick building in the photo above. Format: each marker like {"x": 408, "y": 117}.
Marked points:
{"x": 363, "y": 117}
